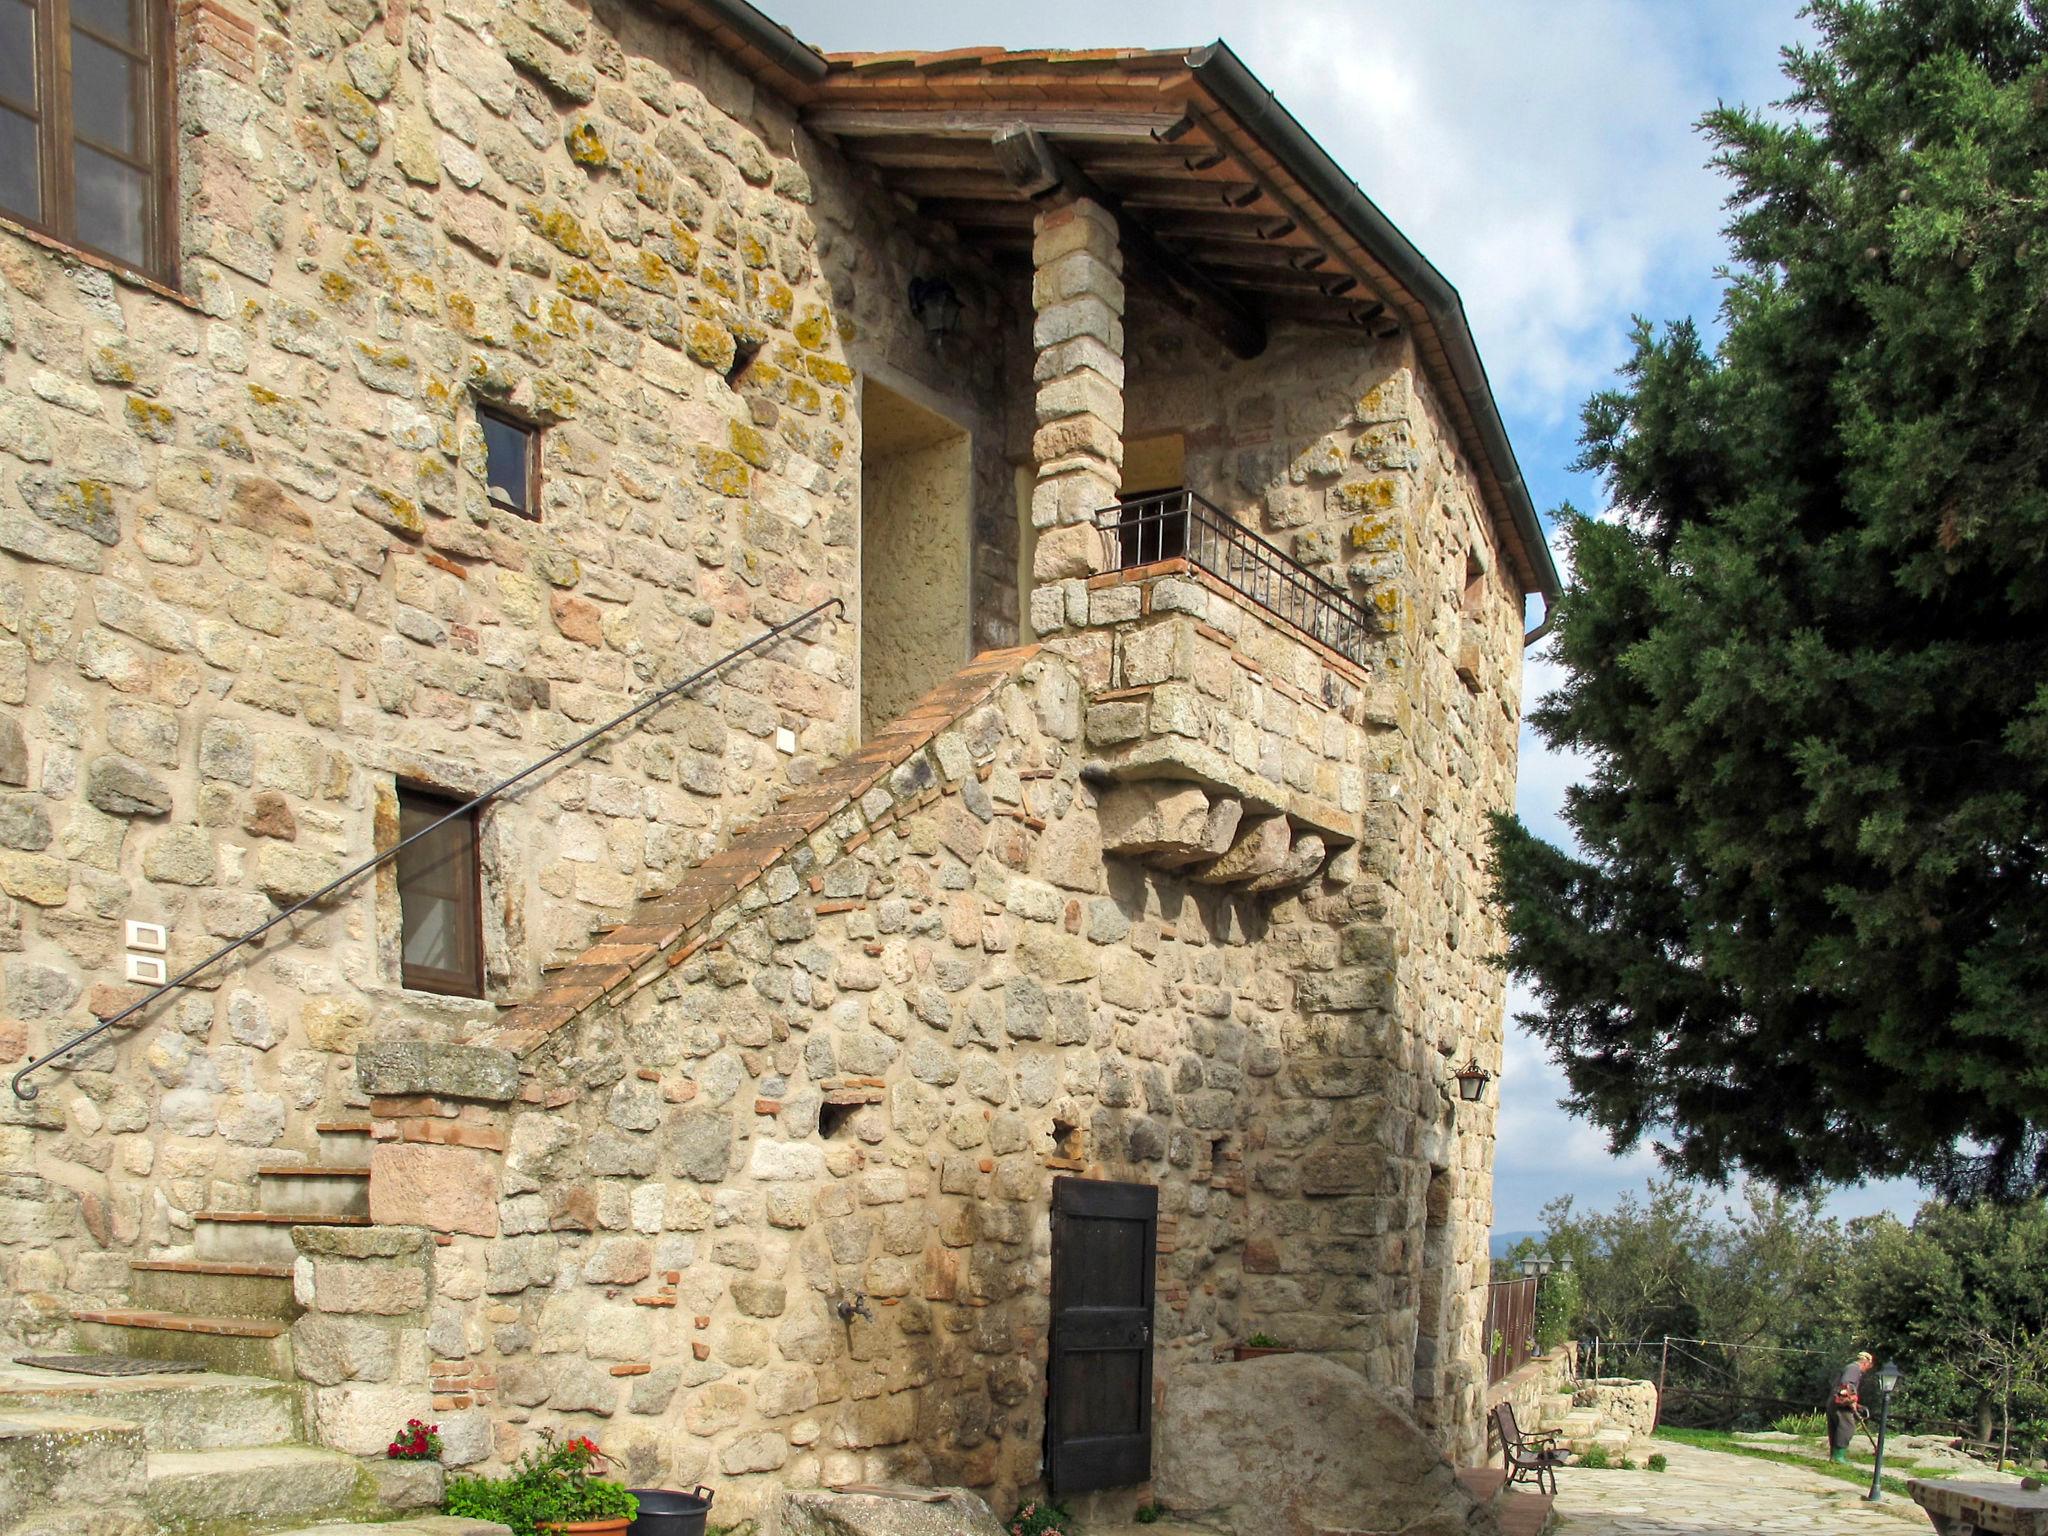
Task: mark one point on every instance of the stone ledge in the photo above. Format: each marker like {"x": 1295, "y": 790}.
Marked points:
{"x": 407, "y": 1068}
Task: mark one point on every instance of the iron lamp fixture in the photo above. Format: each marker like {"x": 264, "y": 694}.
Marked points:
{"x": 1472, "y": 1079}
{"x": 935, "y": 305}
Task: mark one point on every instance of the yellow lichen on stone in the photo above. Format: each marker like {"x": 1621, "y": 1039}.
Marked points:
{"x": 110, "y": 367}
{"x": 777, "y": 299}
{"x": 150, "y": 419}
{"x": 710, "y": 344}
{"x": 750, "y": 443}
{"x": 561, "y": 230}
{"x": 814, "y": 329}
{"x": 339, "y": 287}
{"x": 826, "y": 371}
{"x": 723, "y": 472}
{"x": 398, "y": 513}
{"x": 1367, "y": 495}
{"x": 586, "y": 144}
{"x": 753, "y": 251}
{"x": 554, "y": 397}
{"x": 804, "y": 396}
{"x": 654, "y": 273}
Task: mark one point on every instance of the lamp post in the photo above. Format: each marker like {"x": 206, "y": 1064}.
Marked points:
{"x": 1887, "y": 1384}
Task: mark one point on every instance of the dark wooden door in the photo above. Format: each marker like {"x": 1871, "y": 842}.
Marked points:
{"x": 1098, "y": 1430}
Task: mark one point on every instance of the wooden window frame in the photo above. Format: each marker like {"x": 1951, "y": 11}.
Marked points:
{"x": 56, "y": 133}
{"x": 533, "y": 431}
{"x": 423, "y": 978}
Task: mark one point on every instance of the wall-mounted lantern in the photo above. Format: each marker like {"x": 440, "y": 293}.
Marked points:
{"x": 935, "y": 305}
{"x": 1472, "y": 1079}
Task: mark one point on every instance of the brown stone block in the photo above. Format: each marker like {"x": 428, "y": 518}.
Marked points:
{"x": 445, "y": 1189}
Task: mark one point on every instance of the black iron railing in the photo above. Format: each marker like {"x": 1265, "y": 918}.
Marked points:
{"x": 1181, "y": 525}
{"x": 24, "y": 1089}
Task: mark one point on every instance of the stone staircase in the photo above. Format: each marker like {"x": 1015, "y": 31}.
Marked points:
{"x": 218, "y": 1453}
{"x": 1582, "y": 1427}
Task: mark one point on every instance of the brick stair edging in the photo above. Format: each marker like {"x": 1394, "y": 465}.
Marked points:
{"x": 683, "y": 917}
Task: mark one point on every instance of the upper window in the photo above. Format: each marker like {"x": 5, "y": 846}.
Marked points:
{"x": 511, "y": 462}
{"x": 440, "y": 896}
{"x": 84, "y": 113}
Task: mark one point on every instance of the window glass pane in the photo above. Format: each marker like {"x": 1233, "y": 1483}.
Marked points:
{"x": 437, "y": 886}
{"x": 17, "y": 53}
{"x": 506, "y": 446}
{"x": 103, "y": 95}
{"x": 118, "y": 19}
{"x": 20, "y": 181}
{"x": 112, "y": 198}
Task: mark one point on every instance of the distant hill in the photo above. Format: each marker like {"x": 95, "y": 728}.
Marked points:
{"x": 1502, "y": 1241}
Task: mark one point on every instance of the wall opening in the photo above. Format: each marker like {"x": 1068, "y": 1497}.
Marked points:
{"x": 1153, "y": 525}
{"x": 1431, "y": 1298}
{"x": 832, "y": 1119}
{"x": 916, "y": 485}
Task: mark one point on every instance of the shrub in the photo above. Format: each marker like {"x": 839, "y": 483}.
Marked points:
{"x": 418, "y": 1441}
{"x": 1263, "y": 1341}
{"x": 552, "y": 1482}
{"x": 1802, "y": 1424}
{"x": 1557, "y": 1308}
{"x": 1042, "y": 1517}
{"x": 1628, "y": 1464}
{"x": 1148, "y": 1514}
{"x": 1596, "y": 1458}
{"x": 1659, "y": 1461}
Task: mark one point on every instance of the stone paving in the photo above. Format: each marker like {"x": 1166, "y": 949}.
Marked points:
{"x": 1710, "y": 1493}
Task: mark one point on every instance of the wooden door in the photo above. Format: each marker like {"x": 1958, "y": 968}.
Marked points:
{"x": 1098, "y": 1429}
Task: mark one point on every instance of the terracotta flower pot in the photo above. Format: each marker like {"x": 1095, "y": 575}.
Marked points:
{"x": 1257, "y": 1352}
{"x": 613, "y": 1525}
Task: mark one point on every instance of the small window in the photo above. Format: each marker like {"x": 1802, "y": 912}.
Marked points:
{"x": 511, "y": 463}
{"x": 84, "y": 113}
{"x": 440, "y": 896}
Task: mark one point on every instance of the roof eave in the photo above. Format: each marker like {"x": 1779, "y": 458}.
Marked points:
{"x": 1239, "y": 92}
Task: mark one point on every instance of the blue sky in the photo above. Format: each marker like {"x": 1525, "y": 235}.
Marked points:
{"x": 1543, "y": 156}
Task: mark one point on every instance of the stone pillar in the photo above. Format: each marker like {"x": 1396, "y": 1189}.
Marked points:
{"x": 1077, "y": 293}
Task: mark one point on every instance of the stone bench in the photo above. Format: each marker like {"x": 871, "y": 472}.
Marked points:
{"x": 1960, "y": 1507}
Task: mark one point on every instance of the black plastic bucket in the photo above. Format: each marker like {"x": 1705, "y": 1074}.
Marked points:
{"x": 664, "y": 1512}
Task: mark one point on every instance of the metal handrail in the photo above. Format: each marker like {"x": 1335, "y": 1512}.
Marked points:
{"x": 23, "y": 1089}
{"x": 1180, "y": 524}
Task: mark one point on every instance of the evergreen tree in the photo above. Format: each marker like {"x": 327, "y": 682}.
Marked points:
{"x": 1806, "y": 936}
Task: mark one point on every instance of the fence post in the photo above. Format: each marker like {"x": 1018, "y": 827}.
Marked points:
{"x": 1663, "y": 1365}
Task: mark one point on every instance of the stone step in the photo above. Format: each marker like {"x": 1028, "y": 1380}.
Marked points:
{"x": 247, "y": 1346}
{"x": 263, "y": 1488}
{"x": 344, "y": 1143}
{"x": 174, "y": 1412}
{"x": 210, "y": 1289}
{"x": 70, "y": 1472}
{"x": 255, "y": 1237}
{"x": 304, "y": 1191}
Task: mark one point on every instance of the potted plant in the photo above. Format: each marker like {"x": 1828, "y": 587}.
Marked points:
{"x": 552, "y": 1491}
{"x": 1258, "y": 1345}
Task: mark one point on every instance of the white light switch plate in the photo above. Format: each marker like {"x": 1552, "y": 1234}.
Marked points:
{"x": 147, "y": 968}
{"x": 150, "y": 938}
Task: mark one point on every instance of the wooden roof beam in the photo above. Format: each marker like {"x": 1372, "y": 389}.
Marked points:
{"x": 1038, "y": 170}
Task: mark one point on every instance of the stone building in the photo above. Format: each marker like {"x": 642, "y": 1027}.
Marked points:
{"x": 1128, "y": 573}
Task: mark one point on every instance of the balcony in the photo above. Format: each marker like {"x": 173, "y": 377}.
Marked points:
{"x": 1179, "y": 525}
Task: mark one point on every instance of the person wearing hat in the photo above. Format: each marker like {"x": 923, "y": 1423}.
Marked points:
{"x": 1845, "y": 1405}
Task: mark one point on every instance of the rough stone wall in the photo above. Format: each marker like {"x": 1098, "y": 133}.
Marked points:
{"x": 1335, "y": 449}
{"x": 974, "y": 1001}
{"x": 249, "y": 578}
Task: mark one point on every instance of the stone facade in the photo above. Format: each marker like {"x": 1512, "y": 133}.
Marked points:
{"x": 1176, "y": 895}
